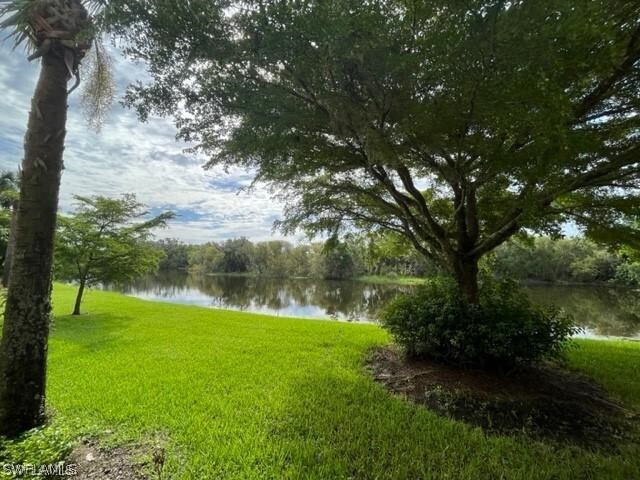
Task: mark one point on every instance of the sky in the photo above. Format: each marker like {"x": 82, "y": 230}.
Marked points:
{"x": 128, "y": 156}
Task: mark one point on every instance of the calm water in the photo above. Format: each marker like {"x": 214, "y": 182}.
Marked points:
{"x": 601, "y": 311}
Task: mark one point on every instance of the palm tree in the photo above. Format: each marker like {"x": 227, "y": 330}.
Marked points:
{"x": 59, "y": 33}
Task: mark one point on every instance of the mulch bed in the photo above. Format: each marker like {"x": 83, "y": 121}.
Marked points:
{"x": 545, "y": 402}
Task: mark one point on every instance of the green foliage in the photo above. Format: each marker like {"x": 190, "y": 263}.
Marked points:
{"x": 555, "y": 260}
{"x": 388, "y": 254}
{"x": 18, "y": 17}
{"x": 237, "y": 256}
{"x": 503, "y": 329}
{"x": 106, "y": 240}
{"x": 9, "y": 195}
{"x": 204, "y": 259}
{"x": 276, "y": 259}
{"x": 9, "y": 188}
{"x": 40, "y": 446}
{"x": 335, "y": 262}
{"x": 628, "y": 273}
{"x": 354, "y": 256}
{"x": 453, "y": 124}
{"x": 176, "y": 255}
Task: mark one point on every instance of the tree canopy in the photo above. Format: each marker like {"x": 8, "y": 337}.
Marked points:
{"x": 106, "y": 240}
{"x": 454, "y": 124}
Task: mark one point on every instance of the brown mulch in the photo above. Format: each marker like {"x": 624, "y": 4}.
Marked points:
{"x": 544, "y": 402}
{"x": 93, "y": 462}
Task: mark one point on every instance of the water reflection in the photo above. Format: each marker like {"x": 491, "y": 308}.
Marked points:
{"x": 341, "y": 300}
{"x": 602, "y": 311}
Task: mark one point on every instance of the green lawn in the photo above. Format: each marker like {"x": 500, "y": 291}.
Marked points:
{"x": 249, "y": 396}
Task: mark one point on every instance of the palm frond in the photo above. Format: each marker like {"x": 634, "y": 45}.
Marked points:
{"x": 14, "y": 16}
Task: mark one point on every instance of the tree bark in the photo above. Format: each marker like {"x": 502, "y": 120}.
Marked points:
{"x": 466, "y": 273}
{"x": 11, "y": 244}
{"x": 23, "y": 351}
{"x": 76, "y": 308}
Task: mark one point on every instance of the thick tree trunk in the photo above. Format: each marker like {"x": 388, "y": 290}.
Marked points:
{"x": 76, "y": 308}
{"x": 466, "y": 272}
{"x": 23, "y": 352}
{"x": 11, "y": 244}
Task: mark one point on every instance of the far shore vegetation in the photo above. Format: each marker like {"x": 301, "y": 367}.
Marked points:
{"x": 387, "y": 259}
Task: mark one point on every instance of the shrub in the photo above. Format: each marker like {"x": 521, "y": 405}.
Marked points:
{"x": 503, "y": 329}
{"x": 628, "y": 273}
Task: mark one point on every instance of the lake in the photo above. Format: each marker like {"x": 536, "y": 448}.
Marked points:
{"x": 602, "y": 311}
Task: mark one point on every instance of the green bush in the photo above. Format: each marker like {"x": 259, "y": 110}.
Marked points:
{"x": 628, "y": 273}
{"x": 503, "y": 329}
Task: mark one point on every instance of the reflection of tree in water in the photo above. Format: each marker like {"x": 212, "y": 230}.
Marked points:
{"x": 338, "y": 299}
{"x": 349, "y": 300}
{"x": 165, "y": 285}
{"x": 605, "y": 311}
{"x": 353, "y": 300}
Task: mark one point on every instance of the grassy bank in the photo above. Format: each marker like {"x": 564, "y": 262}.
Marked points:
{"x": 238, "y": 395}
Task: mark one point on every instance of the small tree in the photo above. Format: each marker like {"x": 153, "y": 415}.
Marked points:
{"x": 104, "y": 242}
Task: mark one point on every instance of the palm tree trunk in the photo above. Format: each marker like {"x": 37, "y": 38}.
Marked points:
{"x": 23, "y": 351}
{"x": 11, "y": 244}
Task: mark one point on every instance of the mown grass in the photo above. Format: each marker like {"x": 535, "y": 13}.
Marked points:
{"x": 250, "y": 396}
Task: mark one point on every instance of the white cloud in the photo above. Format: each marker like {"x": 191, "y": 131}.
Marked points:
{"x": 143, "y": 158}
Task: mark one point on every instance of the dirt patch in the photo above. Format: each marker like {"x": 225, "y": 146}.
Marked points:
{"x": 544, "y": 402}
{"x": 93, "y": 462}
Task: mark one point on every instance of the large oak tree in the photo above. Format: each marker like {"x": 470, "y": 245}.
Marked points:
{"x": 454, "y": 124}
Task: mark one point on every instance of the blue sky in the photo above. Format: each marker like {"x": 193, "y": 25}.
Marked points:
{"x": 142, "y": 158}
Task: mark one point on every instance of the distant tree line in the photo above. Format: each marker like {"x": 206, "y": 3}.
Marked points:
{"x": 537, "y": 259}
{"x": 355, "y": 256}
{"x": 571, "y": 260}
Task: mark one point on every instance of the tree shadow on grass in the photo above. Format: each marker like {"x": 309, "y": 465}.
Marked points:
{"x": 345, "y": 426}
{"x": 91, "y": 332}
